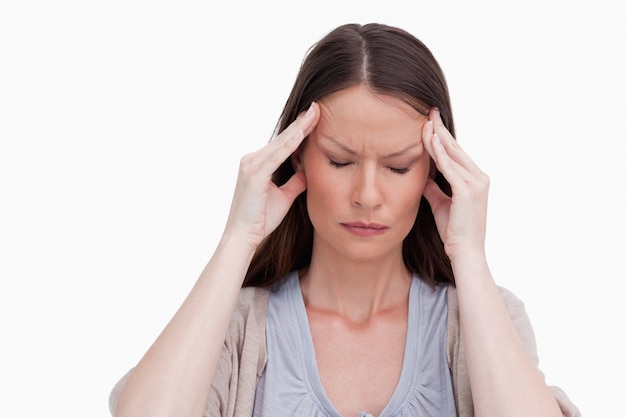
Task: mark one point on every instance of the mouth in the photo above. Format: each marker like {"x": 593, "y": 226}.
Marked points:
{"x": 365, "y": 229}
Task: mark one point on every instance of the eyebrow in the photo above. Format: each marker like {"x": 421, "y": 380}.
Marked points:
{"x": 352, "y": 152}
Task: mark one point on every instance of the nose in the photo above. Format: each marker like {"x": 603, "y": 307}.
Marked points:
{"x": 367, "y": 193}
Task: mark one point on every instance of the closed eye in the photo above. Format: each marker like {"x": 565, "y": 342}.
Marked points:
{"x": 400, "y": 171}
{"x": 338, "y": 164}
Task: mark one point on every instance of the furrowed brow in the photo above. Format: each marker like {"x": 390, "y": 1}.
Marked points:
{"x": 340, "y": 145}
{"x": 344, "y": 148}
{"x": 402, "y": 151}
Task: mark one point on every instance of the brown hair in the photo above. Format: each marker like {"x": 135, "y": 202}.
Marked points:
{"x": 388, "y": 61}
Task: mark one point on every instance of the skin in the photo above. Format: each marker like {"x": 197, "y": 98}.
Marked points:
{"x": 356, "y": 287}
{"x": 351, "y": 178}
{"x": 503, "y": 378}
{"x": 174, "y": 376}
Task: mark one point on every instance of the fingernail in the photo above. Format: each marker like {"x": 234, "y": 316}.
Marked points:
{"x": 436, "y": 139}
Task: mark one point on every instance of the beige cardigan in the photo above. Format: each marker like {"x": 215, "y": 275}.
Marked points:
{"x": 244, "y": 356}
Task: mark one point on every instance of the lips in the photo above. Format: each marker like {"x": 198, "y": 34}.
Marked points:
{"x": 365, "y": 229}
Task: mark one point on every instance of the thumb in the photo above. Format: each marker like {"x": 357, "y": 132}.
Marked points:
{"x": 295, "y": 186}
{"x": 434, "y": 195}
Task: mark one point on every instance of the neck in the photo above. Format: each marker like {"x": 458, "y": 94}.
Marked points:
{"x": 355, "y": 289}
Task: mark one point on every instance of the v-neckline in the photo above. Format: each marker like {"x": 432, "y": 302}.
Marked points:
{"x": 312, "y": 376}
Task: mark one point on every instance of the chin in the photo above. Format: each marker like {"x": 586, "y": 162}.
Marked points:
{"x": 363, "y": 252}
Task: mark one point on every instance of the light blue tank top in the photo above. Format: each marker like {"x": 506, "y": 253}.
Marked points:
{"x": 290, "y": 385}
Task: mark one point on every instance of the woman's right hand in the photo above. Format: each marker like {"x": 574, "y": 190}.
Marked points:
{"x": 175, "y": 375}
{"x": 259, "y": 205}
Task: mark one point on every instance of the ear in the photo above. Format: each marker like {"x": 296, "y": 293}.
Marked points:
{"x": 433, "y": 170}
{"x": 296, "y": 160}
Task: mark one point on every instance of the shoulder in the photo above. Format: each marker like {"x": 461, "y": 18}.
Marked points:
{"x": 516, "y": 310}
{"x": 244, "y": 351}
{"x": 455, "y": 348}
{"x": 249, "y": 316}
{"x": 456, "y": 358}
{"x": 252, "y": 300}
{"x": 243, "y": 356}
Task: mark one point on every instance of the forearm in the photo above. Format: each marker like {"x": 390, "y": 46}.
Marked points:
{"x": 504, "y": 380}
{"x": 174, "y": 376}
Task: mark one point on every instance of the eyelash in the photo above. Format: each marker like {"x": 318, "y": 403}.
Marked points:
{"x": 338, "y": 164}
{"x": 400, "y": 171}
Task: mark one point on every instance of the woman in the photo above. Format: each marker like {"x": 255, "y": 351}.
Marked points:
{"x": 358, "y": 235}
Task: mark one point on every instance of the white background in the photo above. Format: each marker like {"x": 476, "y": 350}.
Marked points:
{"x": 121, "y": 128}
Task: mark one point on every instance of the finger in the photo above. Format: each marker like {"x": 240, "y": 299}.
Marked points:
{"x": 435, "y": 116}
{"x": 295, "y": 186}
{"x": 464, "y": 184}
{"x": 453, "y": 148}
{"x": 427, "y": 137}
{"x": 304, "y": 124}
{"x": 451, "y": 170}
{"x": 434, "y": 195}
{"x": 267, "y": 159}
{"x": 446, "y": 165}
{"x": 288, "y": 141}
{"x": 465, "y": 168}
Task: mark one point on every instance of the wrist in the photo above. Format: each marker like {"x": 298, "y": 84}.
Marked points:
{"x": 469, "y": 262}
{"x": 466, "y": 253}
{"x": 236, "y": 243}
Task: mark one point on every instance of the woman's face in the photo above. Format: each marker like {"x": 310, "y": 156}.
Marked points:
{"x": 366, "y": 167}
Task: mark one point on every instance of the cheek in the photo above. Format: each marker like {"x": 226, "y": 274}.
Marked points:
{"x": 409, "y": 195}
{"x": 425, "y": 171}
{"x": 323, "y": 188}
{"x": 409, "y": 198}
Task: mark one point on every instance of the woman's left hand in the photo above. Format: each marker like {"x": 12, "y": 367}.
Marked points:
{"x": 461, "y": 219}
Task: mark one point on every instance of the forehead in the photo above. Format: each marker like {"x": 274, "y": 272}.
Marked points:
{"x": 357, "y": 117}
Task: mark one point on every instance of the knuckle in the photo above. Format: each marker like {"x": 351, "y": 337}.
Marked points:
{"x": 246, "y": 161}
{"x": 454, "y": 145}
{"x": 248, "y": 164}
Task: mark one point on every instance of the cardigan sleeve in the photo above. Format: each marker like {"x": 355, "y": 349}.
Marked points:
{"x": 115, "y": 392}
{"x": 458, "y": 365}
{"x": 241, "y": 362}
